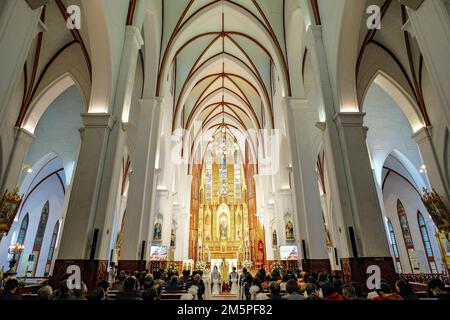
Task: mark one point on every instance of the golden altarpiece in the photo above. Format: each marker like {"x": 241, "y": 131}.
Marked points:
{"x": 223, "y": 221}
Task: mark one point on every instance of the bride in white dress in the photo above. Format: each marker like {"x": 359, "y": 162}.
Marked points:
{"x": 215, "y": 280}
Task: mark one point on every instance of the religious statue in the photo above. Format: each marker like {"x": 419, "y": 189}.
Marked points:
{"x": 274, "y": 238}
{"x": 223, "y": 229}
{"x": 157, "y": 232}
{"x": 328, "y": 241}
{"x": 172, "y": 238}
{"x": 289, "y": 231}
{"x": 215, "y": 280}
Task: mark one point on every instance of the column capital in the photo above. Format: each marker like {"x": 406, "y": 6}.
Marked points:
{"x": 313, "y": 34}
{"x": 162, "y": 192}
{"x": 298, "y": 104}
{"x": 133, "y": 33}
{"x": 423, "y": 134}
{"x": 349, "y": 119}
{"x": 41, "y": 27}
{"x": 412, "y": 4}
{"x": 284, "y": 192}
{"x": 37, "y": 4}
{"x": 24, "y": 135}
{"x": 98, "y": 120}
{"x": 155, "y": 102}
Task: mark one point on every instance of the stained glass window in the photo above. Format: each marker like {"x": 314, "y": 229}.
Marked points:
{"x": 40, "y": 235}
{"x": 237, "y": 176}
{"x": 404, "y": 225}
{"x": 426, "y": 243}
{"x": 208, "y": 176}
{"x": 51, "y": 251}
{"x": 22, "y": 234}
{"x": 394, "y": 246}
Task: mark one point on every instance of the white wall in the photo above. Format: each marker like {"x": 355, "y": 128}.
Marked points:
{"x": 57, "y": 131}
{"x": 388, "y": 130}
{"x": 396, "y": 188}
{"x": 43, "y": 187}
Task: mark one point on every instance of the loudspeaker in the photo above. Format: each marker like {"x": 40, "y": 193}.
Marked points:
{"x": 142, "y": 250}
{"x": 35, "y": 4}
{"x": 353, "y": 241}
{"x": 305, "y": 253}
{"x": 336, "y": 258}
{"x": 94, "y": 245}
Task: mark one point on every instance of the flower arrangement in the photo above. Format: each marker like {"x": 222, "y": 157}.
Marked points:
{"x": 171, "y": 268}
{"x": 276, "y": 267}
{"x": 200, "y": 265}
{"x": 247, "y": 264}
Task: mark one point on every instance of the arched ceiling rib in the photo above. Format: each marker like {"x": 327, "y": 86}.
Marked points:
{"x": 223, "y": 54}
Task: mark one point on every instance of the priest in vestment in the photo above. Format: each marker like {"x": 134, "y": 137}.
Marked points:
{"x": 225, "y": 267}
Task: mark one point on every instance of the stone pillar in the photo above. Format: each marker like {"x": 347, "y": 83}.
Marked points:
{"x": 430, "y": 25}
{"x": 182, "y": 251}
{"x": 18, "y": 27}
{"x": 142, "y": 190}
{"x": 434, "y": 170}
{"x": 14, "y": 171}
{"x": 355, "y": 206}
{"x": 300, "y": 123}
{"x": 96, "y": 190}
{"x": 163, "y": 205}
{"x": 268, "y": 216}
{"x": 78, "y": 231}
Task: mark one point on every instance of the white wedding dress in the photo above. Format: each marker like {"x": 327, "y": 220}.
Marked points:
{"x": 207, "y": 282}
{"x": 234, "y": 283}
{"x": 215, "y": 279}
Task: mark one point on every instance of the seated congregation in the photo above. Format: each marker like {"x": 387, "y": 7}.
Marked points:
{"x": 169, "y": 285}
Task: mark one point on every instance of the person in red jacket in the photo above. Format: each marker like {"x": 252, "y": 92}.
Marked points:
{"x": 329, "y": 292}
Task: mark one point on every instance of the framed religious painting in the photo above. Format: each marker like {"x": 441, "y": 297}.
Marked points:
{"x": 9, "y": 207}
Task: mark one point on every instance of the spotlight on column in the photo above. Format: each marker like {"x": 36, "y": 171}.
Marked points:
{"x": 35, "y": 4}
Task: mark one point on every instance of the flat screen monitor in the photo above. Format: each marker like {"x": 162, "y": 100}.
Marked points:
{"x": 288, "y": 253}
{"x": 158, "y": 253}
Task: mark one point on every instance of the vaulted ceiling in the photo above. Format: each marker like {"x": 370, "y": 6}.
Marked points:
{"x": 223, "y": 56}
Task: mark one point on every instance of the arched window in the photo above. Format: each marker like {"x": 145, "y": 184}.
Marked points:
{"x": 426, "y": 243}
{"x": 21, "y": 236}
{"x": 394, "y": 246}
{"x": 208, "y": 176}
{"x": 39, "y": 237}
{"x": 407, "y": 237}
{"x": 51, "y": 250}
{"x": 237, "y": 176}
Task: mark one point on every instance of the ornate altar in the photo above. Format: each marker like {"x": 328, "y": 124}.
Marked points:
{"x": 224, "y": 224}
{"x": 441, "y": 218}
{"x": 9, "y": 207}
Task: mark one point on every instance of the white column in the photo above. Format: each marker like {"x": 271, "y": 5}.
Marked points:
{"x": 78, "y": 227}
{"x": 106, "y": 198}
{"x": 13, "y": 171}
{"x": 366, "y": 216}
{"x": 434, "y": 169}
{"x": 163, "y": 205}
{"x": 268, "y": 216}
{"x": 300, "y": 122}
{"x": 18, "y": 27}
{"x": 430, "y": 24}
{"x": 142, "y": 190}
{"x": 354, "y": 202}
{"x": 182, "y": 252}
